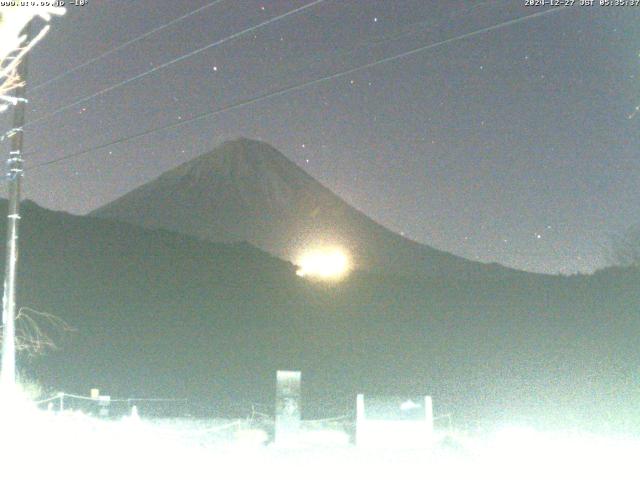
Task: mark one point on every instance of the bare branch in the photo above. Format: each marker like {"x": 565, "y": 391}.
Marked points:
{"x": 37, "y": 332}
{"x": 13, "y": 20}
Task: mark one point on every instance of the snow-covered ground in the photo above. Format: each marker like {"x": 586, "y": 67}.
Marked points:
{"x": 36, "y": 444}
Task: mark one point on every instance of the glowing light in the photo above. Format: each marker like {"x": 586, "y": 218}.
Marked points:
{"x": 324, "y": 264}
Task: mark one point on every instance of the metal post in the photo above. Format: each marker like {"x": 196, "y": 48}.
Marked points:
{"x": 14, "y": 180}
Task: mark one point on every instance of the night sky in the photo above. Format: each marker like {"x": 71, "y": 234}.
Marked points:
{"x": 513, "y": 146}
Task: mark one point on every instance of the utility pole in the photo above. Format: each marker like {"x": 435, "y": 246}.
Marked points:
{"x": 14, "y": 180}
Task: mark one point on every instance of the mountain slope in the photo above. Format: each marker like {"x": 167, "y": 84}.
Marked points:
{"x": 161, "y": 314}
{"x": 246, "y": 190}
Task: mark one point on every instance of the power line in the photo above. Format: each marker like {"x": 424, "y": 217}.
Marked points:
{"x": 172, "y": 62}
{"x": 122, "y": 46}
{"x": 406, "y": 31}
{"x": 300, "y": 86}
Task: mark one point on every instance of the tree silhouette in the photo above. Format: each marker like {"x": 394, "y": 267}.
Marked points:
{"x": 14, "y": 45}
{"x": 37, "y": 332}
{"x": 624, "y": 248}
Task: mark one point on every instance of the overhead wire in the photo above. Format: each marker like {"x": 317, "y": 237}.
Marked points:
{"x": 406, "y": 31}
{"x": 122, "y": 46}
{"x": 300, "y": 86}
{"x": 171, "y": 62}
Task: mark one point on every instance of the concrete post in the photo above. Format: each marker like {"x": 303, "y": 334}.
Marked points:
{"x": 288, "y": 413}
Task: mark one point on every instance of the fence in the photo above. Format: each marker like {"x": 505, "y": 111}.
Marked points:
{"x": 106, "y": 406}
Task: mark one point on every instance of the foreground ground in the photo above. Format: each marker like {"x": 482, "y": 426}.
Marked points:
{"x": 45, "y": 445}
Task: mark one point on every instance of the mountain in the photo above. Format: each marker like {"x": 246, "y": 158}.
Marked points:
{"x": 246, "y": 190}
{"x": 160, "y": 314}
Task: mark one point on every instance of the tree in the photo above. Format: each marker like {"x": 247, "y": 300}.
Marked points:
{"x": 14, "y": 45}
{"x": 624, "y": 248}
{"x": 38, "y": 332}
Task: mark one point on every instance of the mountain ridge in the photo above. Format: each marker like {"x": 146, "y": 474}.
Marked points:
{"x": 160, "y": 314}
{"x": 246, "y": 190}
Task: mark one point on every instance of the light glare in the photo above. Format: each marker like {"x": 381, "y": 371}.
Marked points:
{"x": 324, "y": 264}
